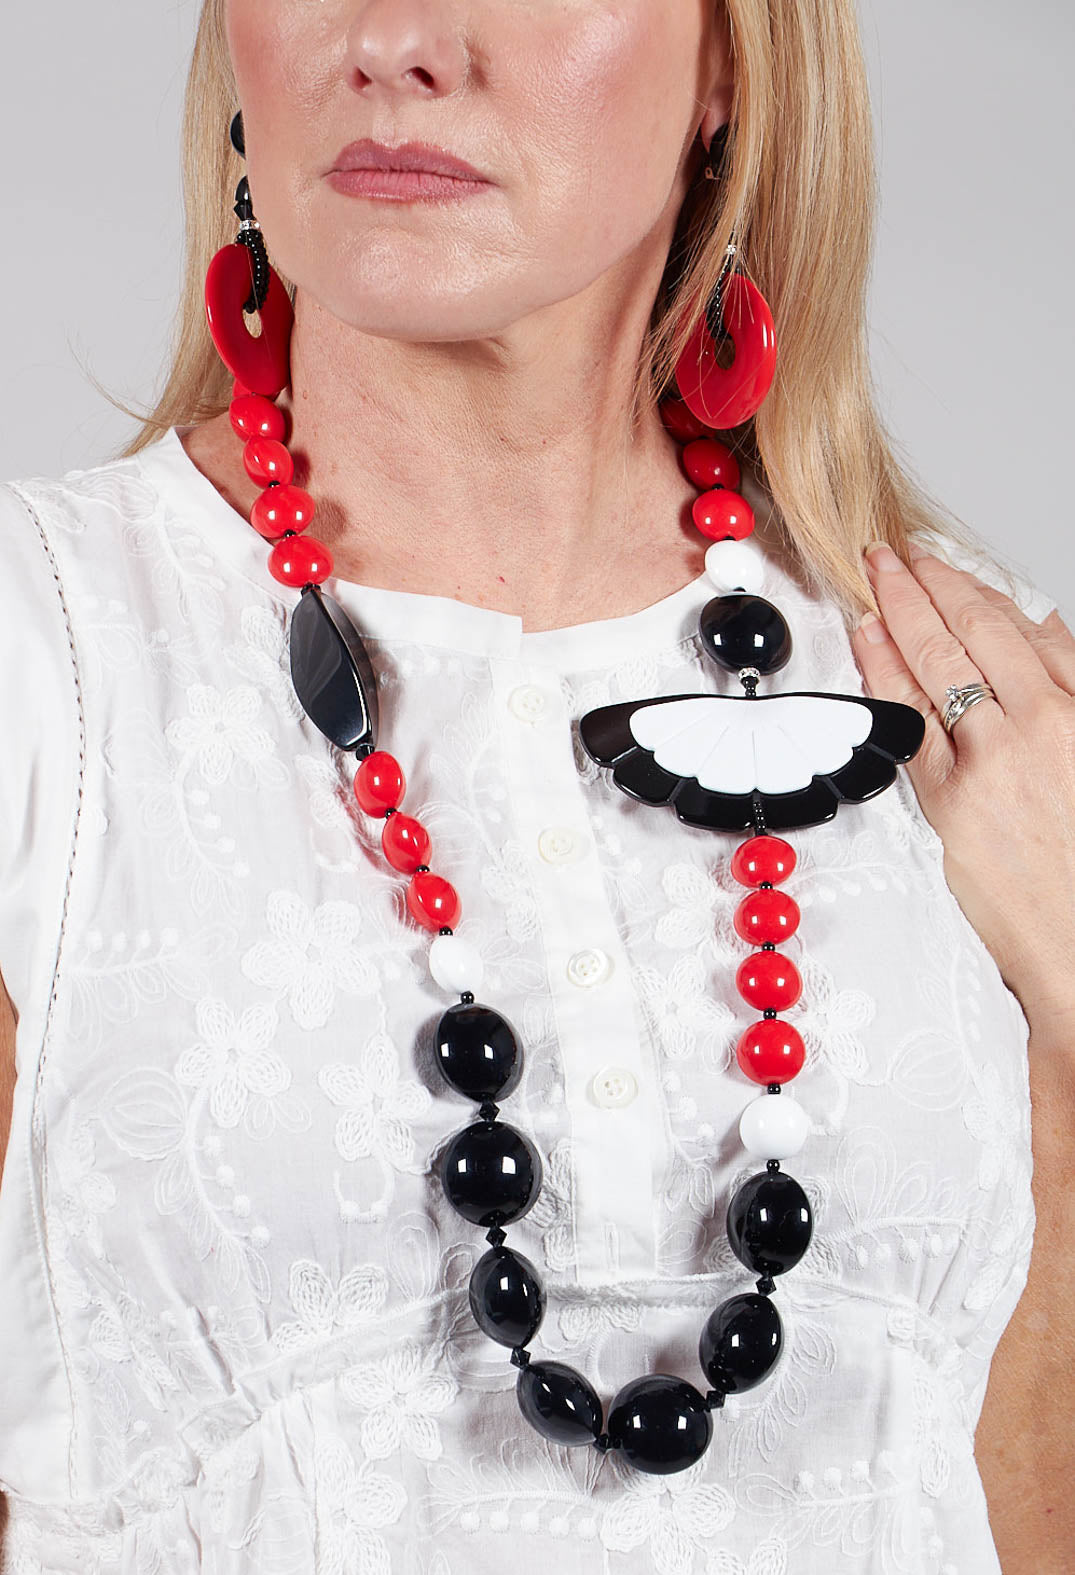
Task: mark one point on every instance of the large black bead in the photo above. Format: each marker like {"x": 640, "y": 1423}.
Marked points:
{"x": 743, "y": 630}
{"x": 769, "y": 1222}
{"x": 491, "y": 1173}
{"x": 559, "y": 1403}
{"x": 331, "y": 671}
{"x": 741, "y": 1342}
{"x": 506, "y": 1297}
{"x": 477, "y": 1052}
{"x": 661, "y": 1423}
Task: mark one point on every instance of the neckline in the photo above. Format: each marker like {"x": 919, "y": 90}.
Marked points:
{"x": 418, "y": 618}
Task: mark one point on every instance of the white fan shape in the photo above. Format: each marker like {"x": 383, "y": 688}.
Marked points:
{"x": 774, "y": 745}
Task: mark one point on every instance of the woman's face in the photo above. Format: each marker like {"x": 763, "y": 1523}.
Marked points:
{"x": 580, "y": 115}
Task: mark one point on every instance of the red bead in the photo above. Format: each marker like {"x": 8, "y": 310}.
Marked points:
{"x": 679, "y": 421}
{"x": 767, "y": 979}
{"x": 380, "y": 783}
{"x": 299, "y": 561}
{"x": 267, "y": 460}
{"x": 726, "y": 396}
{"x": 261, "y": 364}
{"x": 433, "y": 901}
{"x": 279, "y": 509}
{"x": 252, "y": 415}
{"x": 721, "y": 514}
{"x": 711, "y": 464}
{"x": 763, "y": 858}
{"x": 771, "y": 1051}
{"x": 406, "y": 843}
{"x": 238, "y": 389}
{"x": 767, "y": 916}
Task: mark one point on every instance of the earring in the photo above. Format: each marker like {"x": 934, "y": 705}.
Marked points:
{"x": 240, "y": 279}
{"x": 724, "y": 397}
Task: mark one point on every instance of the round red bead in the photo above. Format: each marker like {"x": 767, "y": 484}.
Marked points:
{"x": 763, "y": 858}
{"x": 771, "y": 1051}
{"x": 406, "y": 843}
{"x": 680, "y": 422}
{"x": 380, "y": 783}
{"x": 433, "y": 901}
{"x": 280, "y": 509}
{"x": 267, "y": 460}
{"x": 299, "y": 561}
{"x": 767, "y": 979}
{"x": 711, "y": 464}
{"x": 252, "y": 415}
{"x": 721, "y": 514}
{"x": 766, "y": 916}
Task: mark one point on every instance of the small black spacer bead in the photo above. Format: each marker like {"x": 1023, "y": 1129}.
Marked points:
{"x": 775, "y": 1088}
{"x": 423, "y": 869}
{"x": 288, "y": 533}
{"x": 714, "y": 1399}
{"x": 445, "y": 929}
{"x": 363, "y": 751}
{"x": 520, "y": 1356}
{"x": 497, "y": 1236}
{"x": 467, "y": 997}
{"x": 768, "y": 946}
{"x": 603, "y": 1443}
{"x": 766, "y": 1285}
{"x": 488, "y": 1111}
{"x": 773, "y": 1166}
{"x": 389, "y": 812}
{"x": 765, "y": 885}
{"x": 770, "y": 1011}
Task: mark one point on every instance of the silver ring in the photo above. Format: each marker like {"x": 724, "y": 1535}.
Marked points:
{"x": 960, "y": 698}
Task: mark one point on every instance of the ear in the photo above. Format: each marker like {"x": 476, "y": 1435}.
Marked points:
{"x": 720, "y": 76}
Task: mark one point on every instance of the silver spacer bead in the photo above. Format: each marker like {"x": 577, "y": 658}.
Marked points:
{"x": 249, "y": 224}
{"x": 748, "y": 672}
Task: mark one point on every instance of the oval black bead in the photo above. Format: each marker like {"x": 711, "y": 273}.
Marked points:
{"x": 506, "y": 1297}
{"x": 743, "y": 630}
{"x": 331, "y": 671}
{"x": 491, "y": 1174}
{"x": 741, "y": 1342}
{"x": 769, "y": 1222}
{"x": 661, "y": 1423}
{"x": 559, "y": 1403}
{"x": 477, "y": 1052}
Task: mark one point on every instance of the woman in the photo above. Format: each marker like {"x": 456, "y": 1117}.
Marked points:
{"x": 240, "y": 1324}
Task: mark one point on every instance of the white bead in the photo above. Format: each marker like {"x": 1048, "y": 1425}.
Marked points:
{"x": 732, "y": 566}
{"x": 774, "y": 1126}
{"x": 455, "y": 965}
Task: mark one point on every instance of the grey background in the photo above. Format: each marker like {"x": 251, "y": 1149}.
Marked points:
{"x": 971, "y": 323}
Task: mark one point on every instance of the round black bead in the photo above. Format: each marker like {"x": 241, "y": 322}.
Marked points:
{"x": 769, "y": 1223}
{"x": 743, "y": 630}
{"x": 477, "y": 1051}
{"x": 740, "y": 1343}
{"x": 238, "y": 136}
{"x": 661, "y": 1423}
{"x": 491, "y": 1173}
{"x": 506, "y": 1297}
{"x": 559, "y": 1403}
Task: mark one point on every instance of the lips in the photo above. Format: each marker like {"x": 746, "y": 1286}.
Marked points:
{"x": 421, "y": 157}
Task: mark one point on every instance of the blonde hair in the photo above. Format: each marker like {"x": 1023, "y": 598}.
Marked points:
{"x": 797, "y": 193}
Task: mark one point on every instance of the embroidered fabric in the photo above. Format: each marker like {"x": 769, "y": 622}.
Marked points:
{"x": 234, "y": 1335}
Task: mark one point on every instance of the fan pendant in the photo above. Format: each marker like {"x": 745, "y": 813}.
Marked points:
{"x": 730, "y": 762}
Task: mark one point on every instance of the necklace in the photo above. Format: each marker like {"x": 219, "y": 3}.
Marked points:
{"x": 726, "y": 762}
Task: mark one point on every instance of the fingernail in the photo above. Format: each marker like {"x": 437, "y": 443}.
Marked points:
{"x": 872, "y": 628}
{"x": 881, "y": 556}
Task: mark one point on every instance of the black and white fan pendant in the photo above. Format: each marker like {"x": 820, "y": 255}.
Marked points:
{"x": 736, "y": 762}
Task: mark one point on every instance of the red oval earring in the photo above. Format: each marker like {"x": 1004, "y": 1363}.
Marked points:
{"x": 723, "y": 397}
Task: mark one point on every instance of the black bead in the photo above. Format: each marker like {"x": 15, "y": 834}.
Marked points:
{"x": 331, "y": 671}
{"x": 741, "y": 1342}
{"x": 491, "y": 1173}
{"x": 238, "y": 135}
{"x": 506, "y": 1297}
{"x": 559, "y": 1403}
{"x": 661, "y": 1423}
{"x": 743, "y": 630}
{"x": 769, "y": 1223}
{"x": 477, "y": 1051}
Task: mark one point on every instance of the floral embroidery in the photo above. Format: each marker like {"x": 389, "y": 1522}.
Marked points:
{"x": 232, "y": 1061}
{"x": 323, "y": 1308}
{"x": 221, "y": 734}
{"x": 401, "y": 1397}
{"x": 675, "y": 1516}
{"x": 312, "y": 954}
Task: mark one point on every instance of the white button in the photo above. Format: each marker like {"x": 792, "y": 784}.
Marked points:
{"x": 529, "y": 703}
{"x": 614, "y": 1087}
{"x": 559, "y": 845}
{"x": 592, "y": 966}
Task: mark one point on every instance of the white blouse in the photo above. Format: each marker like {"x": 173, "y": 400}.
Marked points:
{"x": 234, "y": 1325}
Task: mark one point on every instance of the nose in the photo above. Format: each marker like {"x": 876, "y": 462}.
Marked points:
{"x": 406, "y": 46}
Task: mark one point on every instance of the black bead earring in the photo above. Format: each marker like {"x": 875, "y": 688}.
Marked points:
{"x": 249, "y": 234}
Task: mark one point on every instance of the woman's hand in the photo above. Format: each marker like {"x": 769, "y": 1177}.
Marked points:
{"x": 999, "y": 790}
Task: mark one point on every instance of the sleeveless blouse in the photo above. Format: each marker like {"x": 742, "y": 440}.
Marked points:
{"x": 234, "y": 1326}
